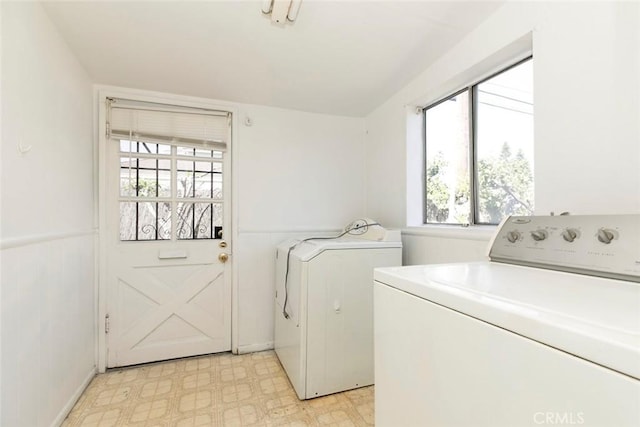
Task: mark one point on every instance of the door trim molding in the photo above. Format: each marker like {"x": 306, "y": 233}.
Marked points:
{"x": 101, "y": 92}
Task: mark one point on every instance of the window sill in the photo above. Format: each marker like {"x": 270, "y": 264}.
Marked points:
{"x": 475, "y": 232}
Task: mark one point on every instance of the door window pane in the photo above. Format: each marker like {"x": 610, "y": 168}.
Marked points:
{"x": 145, "y": 221}
{"x": 144, "y": 147}
{"x": 196, "y": 152}
{"x": 128, "y": 217}
{"x": 199, "y": 179}
{"x": 145, "y": 177}
{"x": 184, "y": 224}
{"x": 198, "y": 220}
{"x": 145, "y": 174}
{"x": 154, "y": 221}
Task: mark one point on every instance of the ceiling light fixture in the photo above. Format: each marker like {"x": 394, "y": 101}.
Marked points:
{"x": 281, "y": 10}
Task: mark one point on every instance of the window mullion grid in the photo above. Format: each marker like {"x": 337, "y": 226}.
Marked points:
{"x": 193, "y": 194}
{"x": 173, "y": 198}
{"x": 157, "y": 194}
{"x": 211, "y": 204}
{"x": 174, "y": 193}
{"x": 137, "y": 195}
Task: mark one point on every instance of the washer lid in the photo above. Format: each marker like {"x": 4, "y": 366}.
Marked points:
{"x": 309, "y": 249}
{"x": 593, "y": 318}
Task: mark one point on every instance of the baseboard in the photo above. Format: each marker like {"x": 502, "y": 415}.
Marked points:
{"x": 74, "y": 398}
{"x": 253, "y": 348}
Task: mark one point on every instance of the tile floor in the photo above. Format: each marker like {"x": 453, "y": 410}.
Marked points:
{"x": 218, "y": 390}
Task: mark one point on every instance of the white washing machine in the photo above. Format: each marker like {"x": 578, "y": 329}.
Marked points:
{"x": 546, "y": 333}
{"x": 324, "y": 309}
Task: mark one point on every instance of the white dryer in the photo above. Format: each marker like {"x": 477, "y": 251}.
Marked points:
{"x": 324, "y": 310}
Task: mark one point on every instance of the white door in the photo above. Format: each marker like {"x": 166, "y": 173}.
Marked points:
{"x": 168, "y": 223}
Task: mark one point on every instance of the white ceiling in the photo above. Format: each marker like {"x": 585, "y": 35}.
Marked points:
{"x": 339, "y": 57}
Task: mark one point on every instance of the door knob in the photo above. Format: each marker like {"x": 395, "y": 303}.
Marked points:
{"x": 223, "y": 257}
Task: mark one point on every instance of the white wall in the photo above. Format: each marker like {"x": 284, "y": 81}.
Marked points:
{"x": 47, "y": 240}
{"x": 442, "y": 246}
{"x": 300, "y": 174}
{"x": 587, "y": 104}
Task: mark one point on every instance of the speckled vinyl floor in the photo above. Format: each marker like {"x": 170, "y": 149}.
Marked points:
{"x": 218, "y": 390}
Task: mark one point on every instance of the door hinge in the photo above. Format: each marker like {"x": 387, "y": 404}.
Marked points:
{"x": 106, "y": 324}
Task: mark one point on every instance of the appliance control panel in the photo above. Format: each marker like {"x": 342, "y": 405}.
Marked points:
{"x": 599, "y": 245}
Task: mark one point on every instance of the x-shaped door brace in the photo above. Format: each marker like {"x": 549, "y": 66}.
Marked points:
{"x": 169, "y": 302}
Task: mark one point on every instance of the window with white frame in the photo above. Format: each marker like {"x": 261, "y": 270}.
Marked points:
{"x": 478, "y": 145}
{"x": 171, "y": 164}
{"x": 163, "y": 183}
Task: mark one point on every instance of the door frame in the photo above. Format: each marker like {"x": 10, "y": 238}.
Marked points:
{"x": 101, "y": 93}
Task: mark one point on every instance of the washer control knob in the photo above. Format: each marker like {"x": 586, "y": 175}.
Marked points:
{"x": 539, "y": 235}
{"x": 513, "y": 236}
{"x": 605, "y": 235}
{"x": 570, "y": 234}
